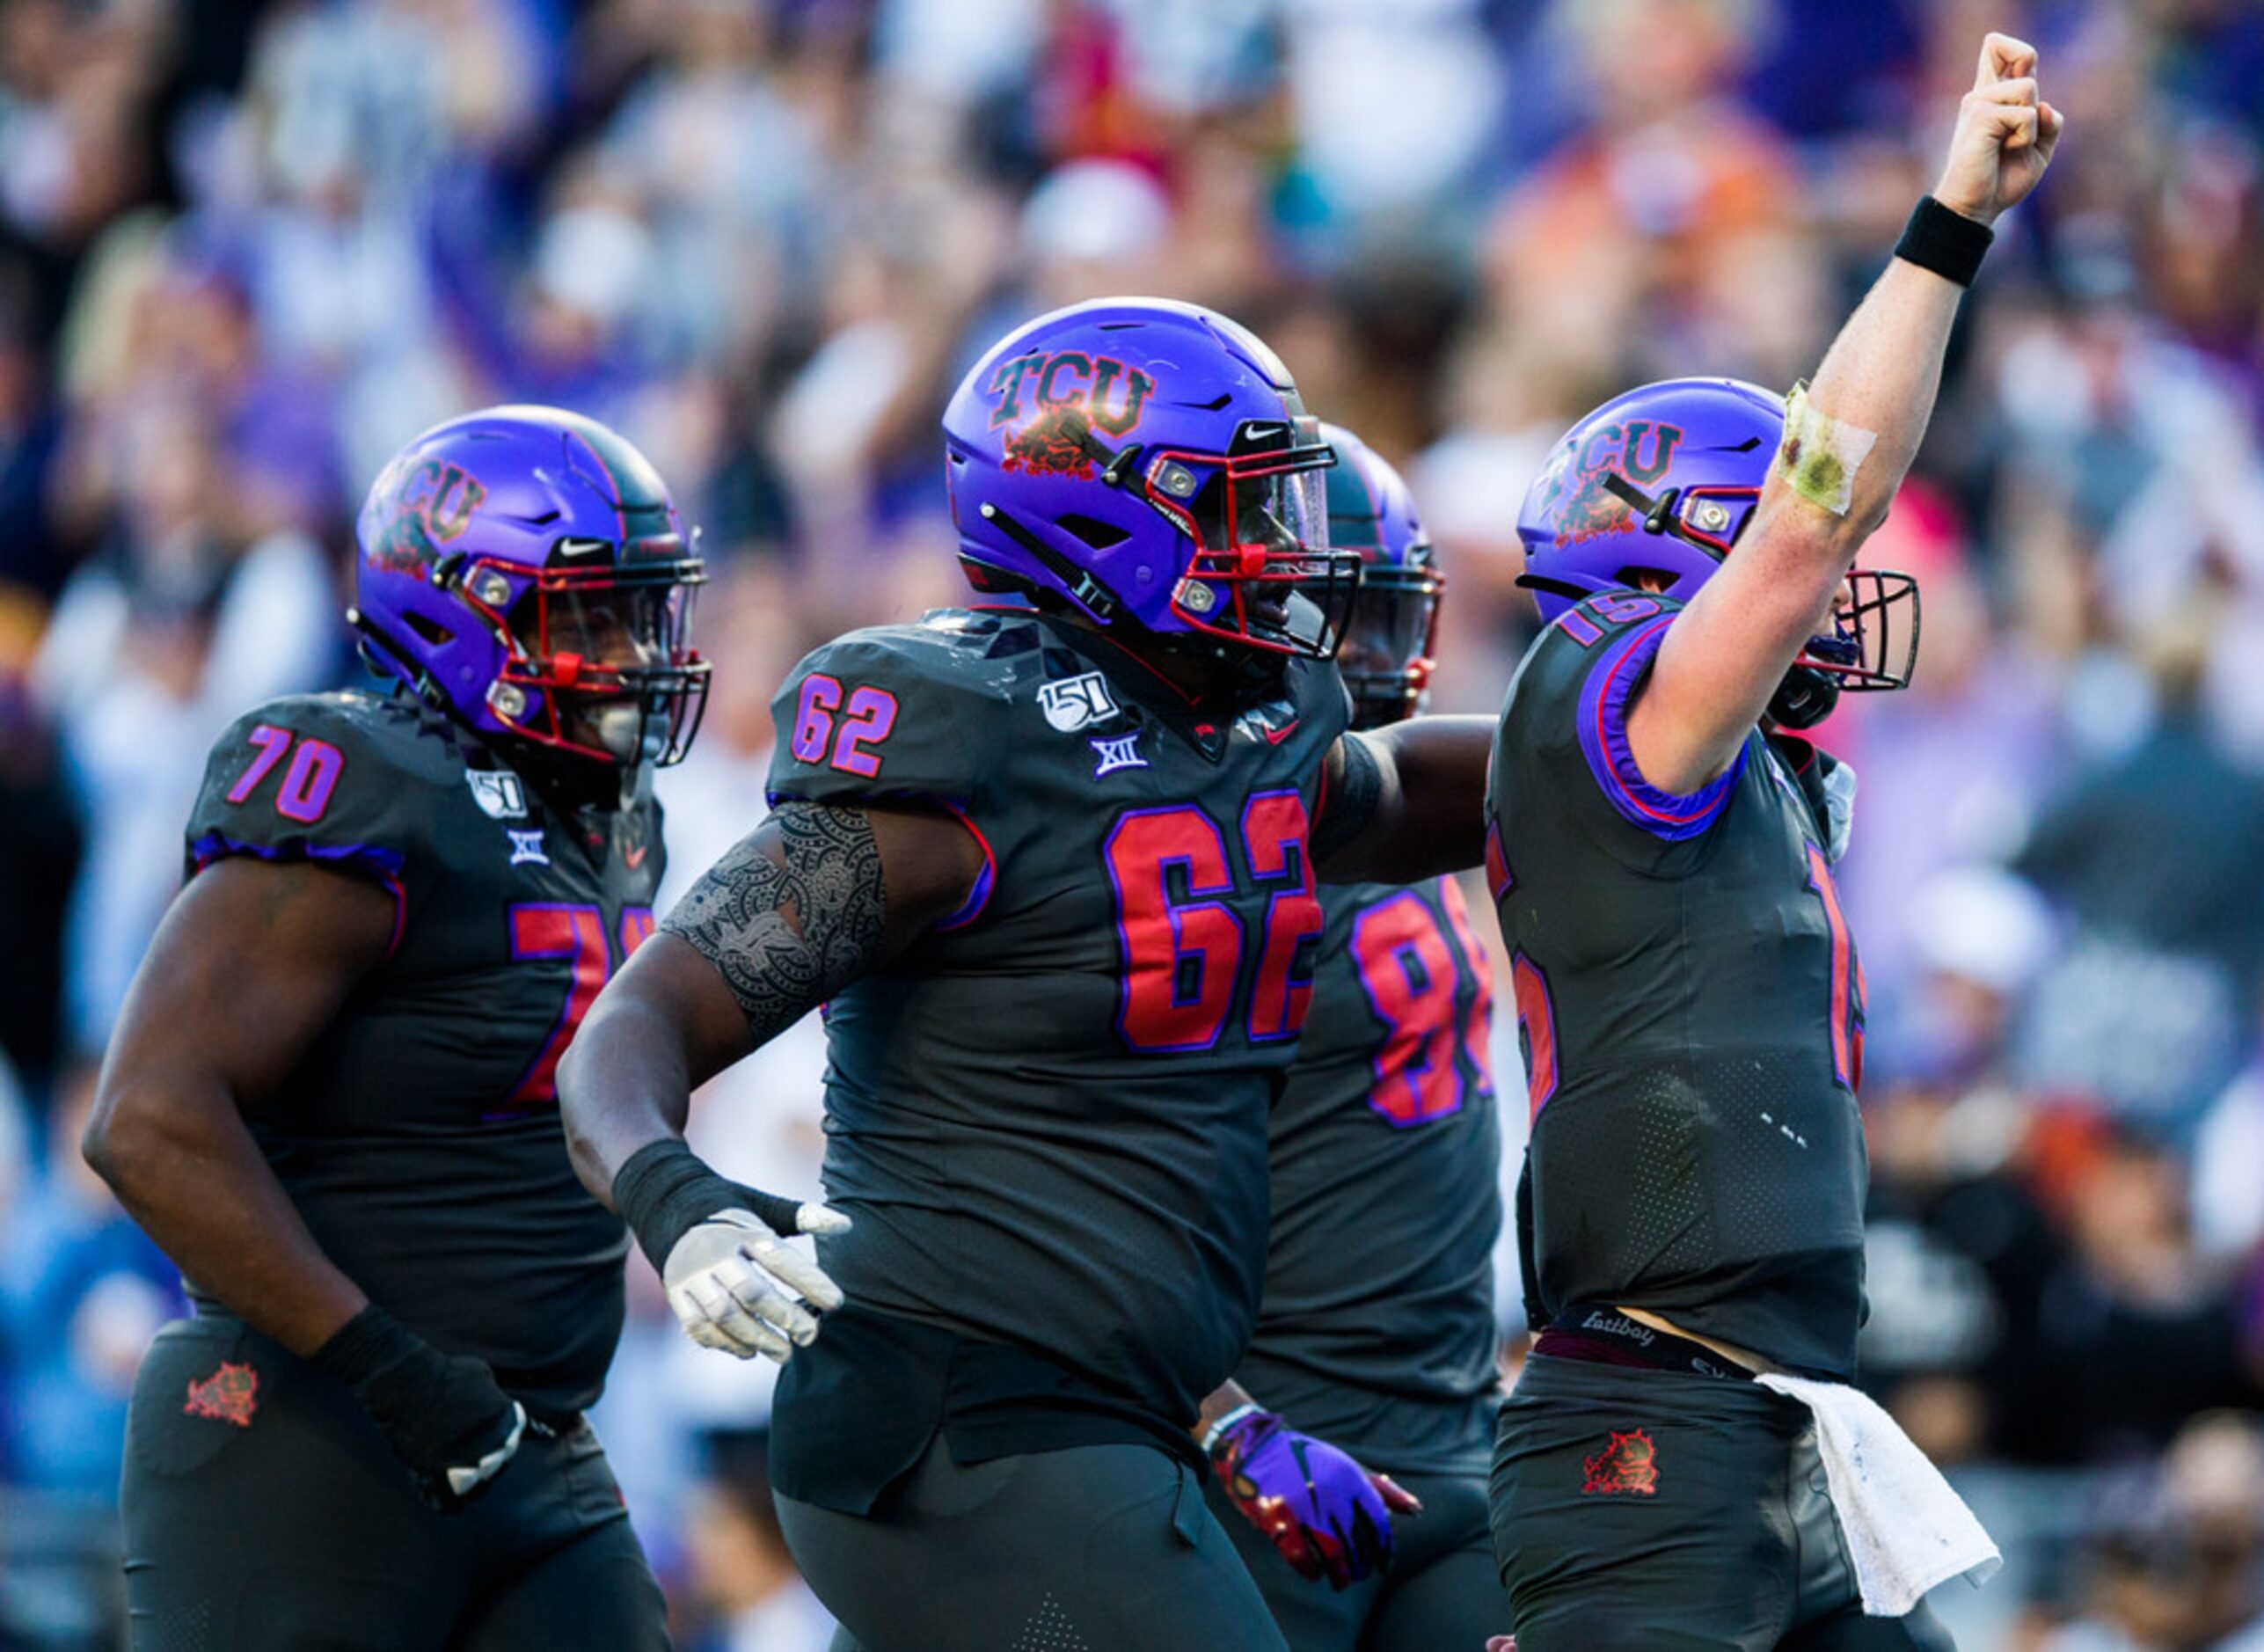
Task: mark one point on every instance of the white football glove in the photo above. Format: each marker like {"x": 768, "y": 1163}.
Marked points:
{"x": 723, "y": 1280}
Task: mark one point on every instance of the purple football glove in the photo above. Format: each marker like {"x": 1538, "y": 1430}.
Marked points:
{"x": 1329, "y": 1517}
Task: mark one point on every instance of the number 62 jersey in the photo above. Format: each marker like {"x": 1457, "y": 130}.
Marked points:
{"x": 1048, "y": 1117}
{"x": 418, "y": 1137}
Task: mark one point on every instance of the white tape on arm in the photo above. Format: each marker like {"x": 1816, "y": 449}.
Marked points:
{"x": 1819, "y": 456}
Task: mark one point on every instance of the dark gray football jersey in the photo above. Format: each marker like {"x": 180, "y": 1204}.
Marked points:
{"x": 1048, "y": 1117}
{"x": 1377, "y": 1332}
{"x": 1692, "y": 1009}
{"x": 419, "y": 1137}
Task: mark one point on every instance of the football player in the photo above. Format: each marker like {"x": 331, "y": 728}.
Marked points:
{"x": 1050, "y": 863}
{"x": 1376, "y": 1330}
{"x": 331, "y": 1094}
{"x": 1660, "y": 856}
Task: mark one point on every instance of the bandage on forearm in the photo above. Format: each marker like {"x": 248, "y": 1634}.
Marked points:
{"x": 1820, "y": 455}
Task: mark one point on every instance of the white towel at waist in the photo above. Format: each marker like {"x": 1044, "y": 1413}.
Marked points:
{"x": 1906, "y": 1529}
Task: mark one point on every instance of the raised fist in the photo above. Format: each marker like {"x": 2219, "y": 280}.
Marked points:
{"x": 2005, "y": 137}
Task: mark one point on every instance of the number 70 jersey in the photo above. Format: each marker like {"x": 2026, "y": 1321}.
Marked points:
{"x": 418, "y": 1137}
{"x": 1048, "y": 1119}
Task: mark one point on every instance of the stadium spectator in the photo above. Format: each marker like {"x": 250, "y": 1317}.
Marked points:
{"x": 246, "y": 251}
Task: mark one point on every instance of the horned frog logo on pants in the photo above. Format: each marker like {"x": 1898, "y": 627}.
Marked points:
{"x": 1629, "y": 1467}
{"x": 230, "y": 1395}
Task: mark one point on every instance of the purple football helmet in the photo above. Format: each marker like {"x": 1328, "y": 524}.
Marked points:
{"x": 1390, "y": 639}
{"x": 1149, "y": 464}
{"x": 524, "y": 569}
{"x": 1660, "y": 482}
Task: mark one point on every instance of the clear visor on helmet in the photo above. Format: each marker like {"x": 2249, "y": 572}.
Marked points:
{"x": 609, "y": 627}
{"x": 1259, "y": 520}
{"x": 604, "y": 664}
{"x": 1390, "y": 641}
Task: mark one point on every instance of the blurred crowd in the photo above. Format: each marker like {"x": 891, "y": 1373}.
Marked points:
{"x": 247, "y": 250}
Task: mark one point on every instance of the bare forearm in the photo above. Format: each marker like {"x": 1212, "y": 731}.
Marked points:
{"x": 1442, "y": 764}
{"x": 1882, "y": 371}
{"x": 1881, "y": 377}
{"x": 625, "y": 1083}
{"x": 794, "y": 912}
{"x": 251, "y": 963}
{"x": 1846, "y": 452}
{"x": 1423, "y": 812}
{"x": 188, "y": 1171}
{"x": 1846, "y": 445}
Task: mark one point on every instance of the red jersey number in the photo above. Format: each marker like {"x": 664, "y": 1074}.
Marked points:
{"x": 1182, "y": 947}
{"x": 1411, "y": 969}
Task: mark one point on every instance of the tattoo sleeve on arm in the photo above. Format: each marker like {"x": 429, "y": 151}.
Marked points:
{"x": 1354, "y": 789}
{"x": 794, "y": 912}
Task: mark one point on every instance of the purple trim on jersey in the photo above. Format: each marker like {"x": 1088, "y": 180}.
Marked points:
{"x": 1603, "y": 741}
{"x": 985, "y": 882}
{"x": 979, "y": 896}
{"x": 383, "y": 864}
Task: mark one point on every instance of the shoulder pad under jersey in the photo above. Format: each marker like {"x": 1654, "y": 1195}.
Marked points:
{"x": 901, "y": 710}
{"x": 1566, "y": 725}
{"x": 348, "y": 778}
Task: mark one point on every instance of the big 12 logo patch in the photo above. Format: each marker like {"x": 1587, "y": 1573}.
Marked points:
{"x": 1070, "y": 395}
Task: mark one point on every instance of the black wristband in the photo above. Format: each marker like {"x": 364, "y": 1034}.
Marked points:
{"x": 1943, "y": 241}
{"x": 445, "y": 1417}
{"x": 664, "y": 1192}
{"x": 371, "y": 1343}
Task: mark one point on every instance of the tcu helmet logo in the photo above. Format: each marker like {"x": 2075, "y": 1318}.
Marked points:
{"x": 1070, "y": 378}
{"x": 1077, "y": 702}
{"x": 1070, "y": 395}
{"x": 230, "y": 1395}
{"x": 432, "y": 502}
{"x": 1639, "y": 450}
{"x": 1628, "y": 1468}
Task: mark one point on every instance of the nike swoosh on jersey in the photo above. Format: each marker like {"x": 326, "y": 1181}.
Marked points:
{"x": 1275, "y": 736}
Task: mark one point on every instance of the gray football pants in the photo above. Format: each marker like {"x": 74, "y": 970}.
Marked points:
{"x": 1094, "y": 1548}
{"x": 1442, "y": 1592}
{"x": 1670, "y": 1513}
{"x": 292, "y": 1528}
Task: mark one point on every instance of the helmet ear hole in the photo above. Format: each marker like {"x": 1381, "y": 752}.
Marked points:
{"x": 1643, "y": 579}
{"x": 431, "y": 632}
{"x": 1097, "y": 534}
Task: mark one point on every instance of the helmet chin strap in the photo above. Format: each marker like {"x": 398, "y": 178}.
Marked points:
{"x": 636, "y": 773}
{"x": 1658, "y": 513}
{"x": 1804, "y": 698}
{"x": 616, "y": 728}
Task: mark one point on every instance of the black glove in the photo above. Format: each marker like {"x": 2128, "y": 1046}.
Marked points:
{"x": 444, "y": 1417}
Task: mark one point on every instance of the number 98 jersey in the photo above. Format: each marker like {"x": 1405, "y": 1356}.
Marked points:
{"x": 1377, "y": 1328}
{"x": 418, "y": 1137}
{"x": 1048, "y": 1117}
